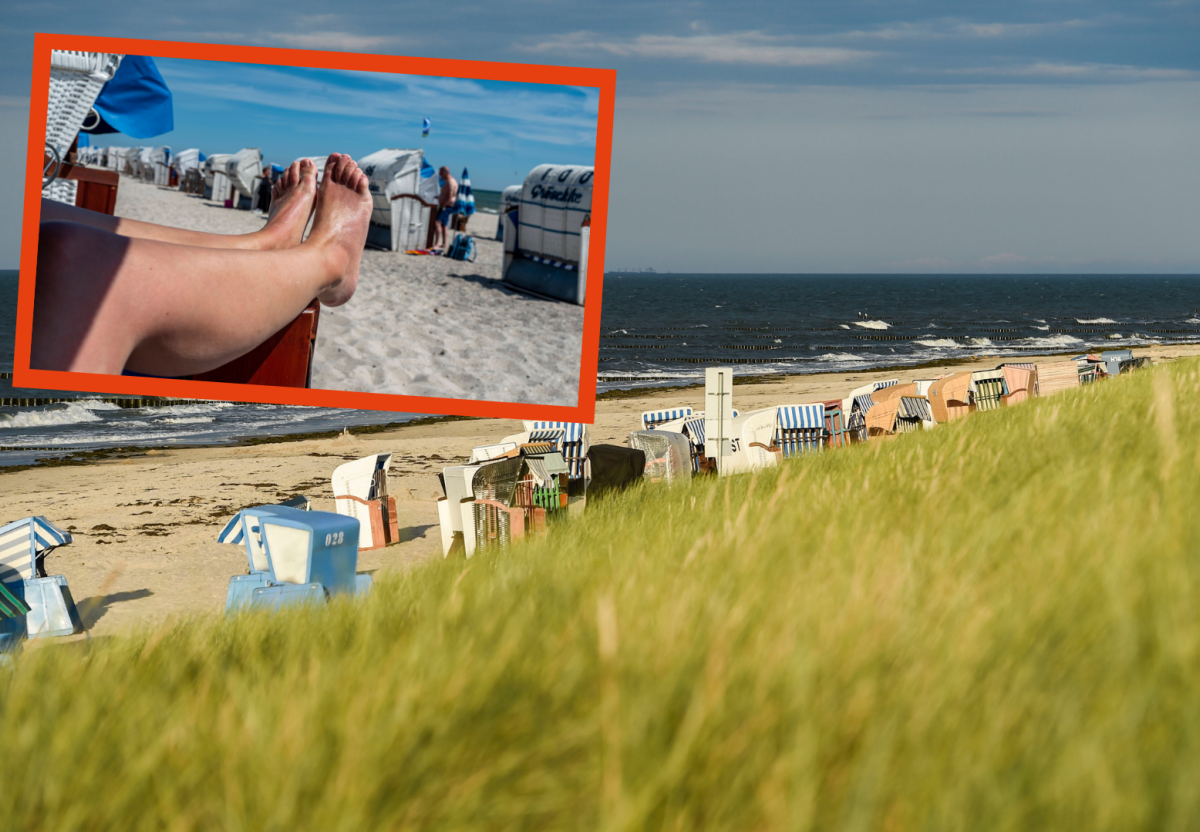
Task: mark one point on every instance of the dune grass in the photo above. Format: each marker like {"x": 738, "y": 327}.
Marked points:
{"x": 995, "y": 624}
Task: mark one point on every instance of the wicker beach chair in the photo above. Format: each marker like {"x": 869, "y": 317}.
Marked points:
{"x": 950, "y": 397}
{"x": 76, "y": 79}
{"x": 360, "y": 490}
{"x": 1021, "y": 380}
{"x": 988, "y": 389}
{"x": 653, "y": 418}
{"x": 800, "y": 429}
{"x": 668, "y": 454}
{"x": 574, "y": 447}
{"x": 24, "y": 545}
{"x": 1056, "y": 376}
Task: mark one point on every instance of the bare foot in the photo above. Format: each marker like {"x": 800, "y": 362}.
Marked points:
{"x": 342, "y": 214}
{"x": 292, "y": 199}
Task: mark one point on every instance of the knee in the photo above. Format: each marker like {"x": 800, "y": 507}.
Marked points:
{"x": 61, "y": 244}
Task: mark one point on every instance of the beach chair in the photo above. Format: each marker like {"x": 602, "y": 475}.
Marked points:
{"x": 1056, "y": 376}
{"x": 496, "y": 519}
{"x": 455, "y": 514}
{"x": 310, "y": 555}
{"x": 881, "y": 417}
{"x": 543, "y": 238}
{"x": 653, "y": 418}
{"x": 574, "y": 447}
{"x": 988, "y": 389}
{"x": 914, "y": 413}
{"x": 1021, "y": 381}
{"x": 76, "y": 79}
{"x": 950, "y": 397}
{"x": 24, "y": 545}
{"x": 360, "y": 490}
{"x": 800, "y": 429}
{"x": 754, "y": 444}
{"x": 668, "y": 454}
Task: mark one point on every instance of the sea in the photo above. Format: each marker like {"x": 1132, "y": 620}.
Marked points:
{"x": 664, "y": 329}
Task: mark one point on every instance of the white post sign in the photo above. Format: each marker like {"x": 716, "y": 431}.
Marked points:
{"x": 718, "y": 414}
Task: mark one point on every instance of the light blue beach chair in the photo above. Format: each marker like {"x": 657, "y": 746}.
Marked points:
{"x": 294, "y": 557}
{"x": 24, "y": 545}
{"x": 653, "y": 418}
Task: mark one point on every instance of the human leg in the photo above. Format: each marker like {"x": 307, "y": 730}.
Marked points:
{"x": 291, "y": 206}
{"x": 104, "y": 302}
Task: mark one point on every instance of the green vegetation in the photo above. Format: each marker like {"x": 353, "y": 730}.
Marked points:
{"x": 991, "y": 625}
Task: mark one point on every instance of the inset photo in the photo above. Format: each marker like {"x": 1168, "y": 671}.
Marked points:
{"x": 315, "y": 228}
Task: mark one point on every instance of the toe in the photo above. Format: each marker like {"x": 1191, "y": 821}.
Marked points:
{"x": 331, "y": 163}
{"x": 345, "y": 168}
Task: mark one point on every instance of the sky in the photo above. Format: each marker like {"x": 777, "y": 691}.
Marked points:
{"x": 1033, "y": 136}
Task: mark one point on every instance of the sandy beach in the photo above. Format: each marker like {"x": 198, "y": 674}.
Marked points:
{"x": 416, "y": 326}
{"x": 145, "y": 523}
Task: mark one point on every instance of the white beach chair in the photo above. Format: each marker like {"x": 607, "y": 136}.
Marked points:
{"x": 24, "y": 545}
{"x": 76, "y": 79}
{"x": 483, "y": 453}
{"x": 400, "y": 218}
{"x": 455, "y": 510}
{"x": 668, "y": 454}
{"x": 360, "y": 491}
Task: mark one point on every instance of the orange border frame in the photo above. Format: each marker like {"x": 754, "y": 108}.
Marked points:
{"x": 603, "y": 79}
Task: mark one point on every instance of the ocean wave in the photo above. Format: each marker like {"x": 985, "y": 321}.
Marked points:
{"x": 844, "y": 326}
{"x": 97, "y": 404}
{"x": 1192, "y": 321}
{"x": 937, "y": 342}
{"x": 1053, "y": 341}
{"x": 186, "y": 420}
{"x": 1115, "y": 336}
{"x": 873, "y": 324}
{"x": 1094, "y": 321}
{"x": 840, "y": 356}
{"x": 205, "y": 409}
{"x": 1043, "y": 328}
{"x": 982, "y": 342}
{"x": 72, "y": 414}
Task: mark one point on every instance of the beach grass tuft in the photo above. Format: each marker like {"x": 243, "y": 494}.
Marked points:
{"x": 993, "y": 624}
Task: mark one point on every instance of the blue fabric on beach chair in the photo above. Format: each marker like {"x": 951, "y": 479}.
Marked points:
{"x": 24, "y": 545}
{"x": 800, "y": 429}
{"x": 653, "y": 418}
{"x": 574, "y": 446}
{"x": 693, "y": 429}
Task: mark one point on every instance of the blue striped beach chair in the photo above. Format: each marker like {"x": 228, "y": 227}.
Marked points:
{"x": 913, "y": 413}
{"x": 988, "y": 388}
{"x": 800, "y": 429}
{"x": 693, "y": 429}
{"x": 574, "y": 445}
{"x": 653, "y": 418}
{"x": 24, "y": 545}
{"x": 856, "y": 425}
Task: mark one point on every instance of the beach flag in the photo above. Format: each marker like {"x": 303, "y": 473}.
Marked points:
{"x": 466, "y": 202}
{"x": 425, "y": 128}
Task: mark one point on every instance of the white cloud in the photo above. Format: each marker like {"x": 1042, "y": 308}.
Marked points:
{"x": 336, "y": 41}
{"x": 953, "y": 28}
{"x": 753, "y": 47}
{"x": 1048, "y": 69}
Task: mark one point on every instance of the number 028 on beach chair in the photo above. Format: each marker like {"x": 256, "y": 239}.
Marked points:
{"x": 24, "y": 545}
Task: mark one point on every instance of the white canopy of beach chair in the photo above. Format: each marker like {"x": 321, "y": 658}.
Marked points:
{"x": 244, "y": 168}
{"x": 395, "y": 176}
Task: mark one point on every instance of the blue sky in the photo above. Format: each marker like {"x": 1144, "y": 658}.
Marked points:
{"x": 1027, "y": 136}
{"x": 500, "y": 130}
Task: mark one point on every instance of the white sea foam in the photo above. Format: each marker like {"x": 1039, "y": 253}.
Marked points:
{"x": 840, "y": 356}
{"x": 937, "y": 342}
{"x": 873, "y": 324}
{"x": 72, "y": 414}
{"x": 186, "y": 420}
{"x": 844, "y": 326}
{"x": 1054, "y": 341}
{"x": 982, "y": 342}
{"x": 1192, "y": 321}
{"x": 205, "y": 409}
{"x": 1115, "y": 336}
{"x": 1094, "y": 321}
{"x": 1043, "y": 328}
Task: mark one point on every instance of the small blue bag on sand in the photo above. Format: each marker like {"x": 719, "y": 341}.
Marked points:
{"x": 463, "y": 248}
